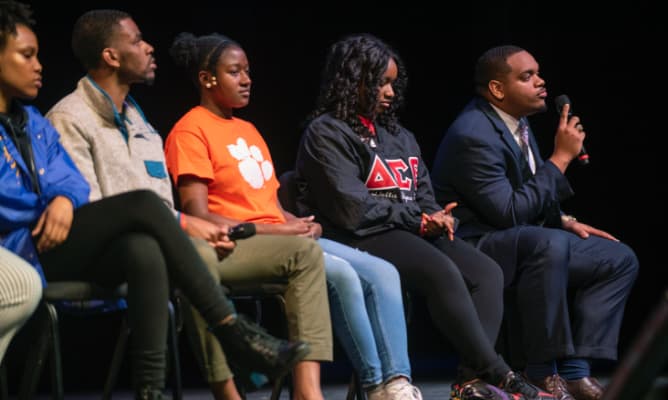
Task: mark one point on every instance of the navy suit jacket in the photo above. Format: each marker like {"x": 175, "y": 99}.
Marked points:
{"x": 480, "y": 165}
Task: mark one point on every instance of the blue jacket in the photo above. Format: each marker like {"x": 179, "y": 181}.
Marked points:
{"x": 20, "y": 206}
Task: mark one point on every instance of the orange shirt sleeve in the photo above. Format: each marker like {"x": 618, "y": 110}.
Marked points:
{"x": 186, "y": 153}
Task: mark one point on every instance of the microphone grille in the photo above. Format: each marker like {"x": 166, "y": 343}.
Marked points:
{"x": 249, "y": 227}
{"x": 560, "y": 101}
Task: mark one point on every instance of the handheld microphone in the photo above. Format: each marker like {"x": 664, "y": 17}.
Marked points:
{"x": 241, "y": 231}
{"x": 560, "y": 102}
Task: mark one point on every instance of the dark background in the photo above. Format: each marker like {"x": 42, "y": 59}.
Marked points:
{"x": 607, "y": 59}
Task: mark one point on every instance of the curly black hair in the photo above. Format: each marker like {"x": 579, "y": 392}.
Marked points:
{"x": 359, "y": 62}
{"x": 13, "y": 13}
{"x": 199, "y": 53}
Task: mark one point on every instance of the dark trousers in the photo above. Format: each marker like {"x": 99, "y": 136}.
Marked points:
{"x": 463, "y": 289}
{"x": 543, "y": 265}
{"x": 134, "y": 238}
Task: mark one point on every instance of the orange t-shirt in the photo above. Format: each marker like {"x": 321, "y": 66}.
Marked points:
{"x": 232, "y": 156}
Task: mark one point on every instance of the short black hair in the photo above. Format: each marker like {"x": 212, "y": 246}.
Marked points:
{"x": 92, "y": 32}
{"x": 13, "y": 13}
{"x": 493, "y": 64}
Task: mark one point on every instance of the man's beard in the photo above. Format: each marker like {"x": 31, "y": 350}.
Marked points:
{"x": 149, "y": 80}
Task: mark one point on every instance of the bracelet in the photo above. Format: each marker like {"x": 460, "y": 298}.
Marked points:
{"x": 182, "y": 220}
{"x": 423, "y": 224}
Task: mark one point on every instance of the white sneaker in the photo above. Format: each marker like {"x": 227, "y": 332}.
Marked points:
{"x": 401, "y": 390}
{"x": 377, "y": 393}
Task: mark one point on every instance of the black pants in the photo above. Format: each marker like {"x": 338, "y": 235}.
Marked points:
{"x": 134, "y": 238}
{"x": 463, "y": 288}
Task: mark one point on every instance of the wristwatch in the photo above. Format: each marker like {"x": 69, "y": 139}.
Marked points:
{"x": 567, "y": 218}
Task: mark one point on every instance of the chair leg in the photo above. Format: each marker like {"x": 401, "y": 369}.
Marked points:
{"x": 56, "y": 357}
{"x": 46, "y": 324}
{"x": 277, "y": 389}
{"x": 173, "y": 346}
{"x": 36, "y": 355}
{"x": 116, "y": 359}
{"x": 355, "y": 391}
{"x": 34, "y": 366}
{"x": 258, "y": 311}
{"x": 4, "y": 390}
{"x": 361, "y": 395}
{"x": 279, "y": 383}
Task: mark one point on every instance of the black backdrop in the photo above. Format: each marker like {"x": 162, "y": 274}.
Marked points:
{"x": 606, "y": 59}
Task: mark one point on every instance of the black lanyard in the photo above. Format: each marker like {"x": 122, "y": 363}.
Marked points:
{"x": 14, "y": 125}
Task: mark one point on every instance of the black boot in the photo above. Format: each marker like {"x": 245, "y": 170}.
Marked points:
{"x": 251, "y": 347}
{"x": 149, "y": 393}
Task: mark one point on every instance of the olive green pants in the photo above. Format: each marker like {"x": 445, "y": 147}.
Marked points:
{"x": 265, "y": 259}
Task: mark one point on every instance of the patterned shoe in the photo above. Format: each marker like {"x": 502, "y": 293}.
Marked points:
{"x": 477, "y": 390}
{"x": 518, "y": 388}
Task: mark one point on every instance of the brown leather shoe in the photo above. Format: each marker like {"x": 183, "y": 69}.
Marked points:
{"x": 556, "y": 385}
{"x": 587, "y": 388}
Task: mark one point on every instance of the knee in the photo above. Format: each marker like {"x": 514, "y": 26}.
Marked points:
{"x": 379, "y": 269}
{"x": 143, "y": 255}
{"x": 343, "y": 283}
{"x": 34, "y": 286}
{"x": 389, "y": 274}
{"x": 553, "y": 250}
{"x": 208, "y": 255}
{"x": 32, "y": 290}
{"x": 339, "y": 272}
{"x": 21, "y": 292}
{"x": 142, "y": 198}
{"x": 310, "y": 255}
{"x": 147, "y": 203}
{"x": 627, "y": 261}
{"x": 492, "y": 279}
{"x": 384, "y": 275}
{"x": 342, "y": 277}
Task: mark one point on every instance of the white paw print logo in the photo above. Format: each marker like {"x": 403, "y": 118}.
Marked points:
{"x": 252, "y": 165}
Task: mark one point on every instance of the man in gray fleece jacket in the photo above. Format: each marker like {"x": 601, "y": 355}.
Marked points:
{"x": 117, "y": 150}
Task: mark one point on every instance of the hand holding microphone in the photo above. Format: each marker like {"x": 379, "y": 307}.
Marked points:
{"x": 560, "y": 102}
{"x": 241, "y": 231}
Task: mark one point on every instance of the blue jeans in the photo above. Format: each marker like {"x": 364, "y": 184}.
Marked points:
{"x": 367, "y": 312}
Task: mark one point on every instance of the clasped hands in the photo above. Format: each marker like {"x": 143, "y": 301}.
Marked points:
{"x": 440, "y": 222}
{"x": 303, "y": 226}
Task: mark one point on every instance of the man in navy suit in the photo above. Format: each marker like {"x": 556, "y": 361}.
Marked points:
{"x": 509, "y": 207}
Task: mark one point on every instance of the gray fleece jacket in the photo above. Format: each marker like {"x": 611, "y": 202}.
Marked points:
{"x": 116, "y": 151}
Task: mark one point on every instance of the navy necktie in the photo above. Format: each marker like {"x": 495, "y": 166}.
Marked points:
{"x": 523, "y": 130}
